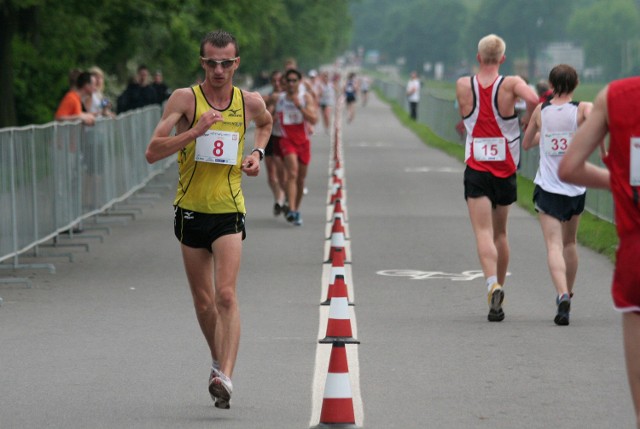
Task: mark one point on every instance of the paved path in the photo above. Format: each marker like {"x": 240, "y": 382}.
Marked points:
{"x": 110, "y": 340}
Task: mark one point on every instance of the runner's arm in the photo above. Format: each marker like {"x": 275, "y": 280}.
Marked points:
{"x": 574, "y": 167}
{"x": 162, "y": 144}
{"x": 309, "y": 111}
{"x": 532, "y": 134}
{"x": 258, "y": 113}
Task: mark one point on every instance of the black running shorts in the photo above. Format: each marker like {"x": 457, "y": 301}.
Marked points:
{"x": 501, "y": 192}
{"x": 561, "y": 207}
{"x": 200, "y": 230}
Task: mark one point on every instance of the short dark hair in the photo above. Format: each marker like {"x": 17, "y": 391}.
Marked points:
{"x": 563, "y": 78}
{"x": 219, "y": 39}
{"x": 293, "y": 71}
{"x": 83, "y": 79}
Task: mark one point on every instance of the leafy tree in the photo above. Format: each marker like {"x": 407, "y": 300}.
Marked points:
{"x": 418, "y": 30}
{"x": 607, "y": 29}
{"x": 525, "y": 25}
{"x": 42, "y": 40}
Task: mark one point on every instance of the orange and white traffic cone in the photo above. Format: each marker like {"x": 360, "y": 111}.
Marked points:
{"x": 337, "y": 249}
{"x": 336, "y": 180}
{"x": 337, "y": 289}
{"x": 336, "y": 194}
{"x": 337, "y": 268}
{"x": 339, "y": 323}
{"x": 337, "y": 240}
{"x": 337, "y": 210}
{"x": 337, "y": 402}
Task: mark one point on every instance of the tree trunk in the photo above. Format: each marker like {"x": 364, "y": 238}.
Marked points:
{"x": 8, "y": 27}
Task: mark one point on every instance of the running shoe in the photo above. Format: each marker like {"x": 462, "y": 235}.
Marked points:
{"x": 298, "y": 219}
{"x": 495, "y": 298}
{"x": 220, "y": 388}
{"x": 290, "y": 216}
{"x": 285, "y": 209}
{"x": 564, "y": 306}
{"x": 277, "y": 209}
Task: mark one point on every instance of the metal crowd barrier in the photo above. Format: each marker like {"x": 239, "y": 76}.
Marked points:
{"x": 54, "y": 176}
{"x": 441, "y": 115}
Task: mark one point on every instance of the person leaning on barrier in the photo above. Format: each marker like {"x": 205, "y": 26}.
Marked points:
{"x": 486, "y": 103}
{"x": 210, "y": 120}
{"x": 616, "y": 111}
{"x": 71, "y": 107}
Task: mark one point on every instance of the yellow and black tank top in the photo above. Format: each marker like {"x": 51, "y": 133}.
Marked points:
{"x": 207, "y": 187}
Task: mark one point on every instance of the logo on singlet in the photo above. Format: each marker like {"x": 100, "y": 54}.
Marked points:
{"x": 234, "y": 112}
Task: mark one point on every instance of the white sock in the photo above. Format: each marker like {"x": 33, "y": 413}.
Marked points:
{"x": 215, "y": 365}
{"x": 490, "y": 281}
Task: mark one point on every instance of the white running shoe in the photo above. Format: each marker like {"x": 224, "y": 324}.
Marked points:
{"x": 220, "y": 388}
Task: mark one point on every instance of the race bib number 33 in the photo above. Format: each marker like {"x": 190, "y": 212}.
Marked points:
{"x": 217, "y": 147}
{"x": 556, "y": 144}
{"x": 490, "y": 148}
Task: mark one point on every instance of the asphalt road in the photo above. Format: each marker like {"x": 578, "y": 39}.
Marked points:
{"x": 111, "y": 341}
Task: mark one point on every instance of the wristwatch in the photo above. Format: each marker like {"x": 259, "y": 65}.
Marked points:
{"x": 260, "y": 151}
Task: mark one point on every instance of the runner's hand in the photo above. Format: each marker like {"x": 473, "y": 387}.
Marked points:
{"x": 207, "y": 119}
{"x": 251, "y": 165}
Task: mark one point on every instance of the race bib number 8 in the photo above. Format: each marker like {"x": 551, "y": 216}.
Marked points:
{"x": 490, "y": 148}
{"x": 634, "y": 172}
{"x": 217, "y": 147}
{"x": 556, "y": 144}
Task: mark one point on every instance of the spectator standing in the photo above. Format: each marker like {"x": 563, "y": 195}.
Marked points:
{"x": 365, "y": 84}
{"x": 161, "y": 89}
{"x": 139, "y": 92}
{"x": 413, "y": 95}
{"x": 98, "y": 104}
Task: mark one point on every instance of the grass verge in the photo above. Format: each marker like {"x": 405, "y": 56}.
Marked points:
{"x": 594, "y": 233}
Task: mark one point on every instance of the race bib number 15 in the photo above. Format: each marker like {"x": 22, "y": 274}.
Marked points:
{"x": 490, "y": 148}
{"x": 218, "y": 147}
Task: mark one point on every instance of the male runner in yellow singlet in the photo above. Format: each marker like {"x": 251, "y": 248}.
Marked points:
{"x": 210, "y": 121}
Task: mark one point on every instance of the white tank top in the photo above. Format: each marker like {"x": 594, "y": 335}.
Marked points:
{"x": 559, "y": 123}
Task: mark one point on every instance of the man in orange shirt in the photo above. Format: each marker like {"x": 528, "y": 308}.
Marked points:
{"x": 70, "y": 107}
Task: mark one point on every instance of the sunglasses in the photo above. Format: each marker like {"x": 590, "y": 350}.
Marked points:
{"x": 224, "y": 63}
{"x": 292, "y": 80}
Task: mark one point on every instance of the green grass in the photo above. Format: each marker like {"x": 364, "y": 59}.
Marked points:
{"x": 594, "y": 233}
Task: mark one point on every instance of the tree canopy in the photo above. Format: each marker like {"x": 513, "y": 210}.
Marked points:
{"x": 448, "y": 31}
{"x": 43, "y": 40}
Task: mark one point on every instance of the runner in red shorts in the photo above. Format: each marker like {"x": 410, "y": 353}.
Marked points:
{"x": 616, "y": 111}
{"x": 293, "y": 109}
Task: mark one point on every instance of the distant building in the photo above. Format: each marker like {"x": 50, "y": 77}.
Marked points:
{"x": 560, "y": 53}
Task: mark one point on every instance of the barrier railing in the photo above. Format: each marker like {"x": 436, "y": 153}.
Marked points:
{"x": 54, "y": 176}
{"x": 441, "y": 116}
